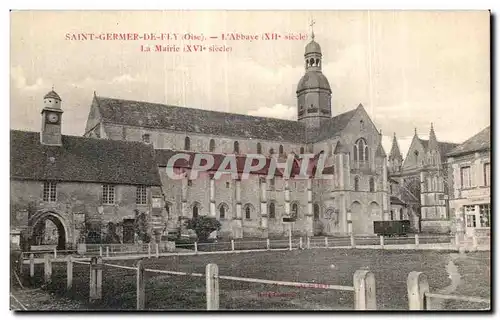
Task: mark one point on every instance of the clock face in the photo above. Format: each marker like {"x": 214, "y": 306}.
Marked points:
{"x": 53, "y": 117}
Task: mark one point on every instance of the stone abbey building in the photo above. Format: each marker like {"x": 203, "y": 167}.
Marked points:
{"x": 119, "y": 165}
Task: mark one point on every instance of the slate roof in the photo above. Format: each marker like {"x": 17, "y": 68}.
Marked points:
{"x": 52, "y": 94}
{"x": 160, "y": 116}
{"x": 164, "y": 155}
{"x": 313, "y": 80}
{"x": 444, "y": 147}
{"x": 333, "y": 126}
{"x": 478, "y": 142}
{"x": 82, "y": 159}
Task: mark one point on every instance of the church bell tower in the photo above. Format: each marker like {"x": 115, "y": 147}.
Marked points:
{"x": 314, "y": 95}
{"x": 51, "y": 119}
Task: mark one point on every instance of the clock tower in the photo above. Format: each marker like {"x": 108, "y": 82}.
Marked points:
{"x": 51, "y": 119}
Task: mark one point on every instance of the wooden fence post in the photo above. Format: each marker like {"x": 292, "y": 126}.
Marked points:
{"x": 326, "y": 242}
{"x": 417, "y": 240}
{"x": 141, "y": 286}
{"x": 149, "y": 250}
{"x": 195, "y": 247}
{"x": 474, "y": 242}
{"x": 69, "y": 273}
{"x": 353, "y": 241}
{"x": 382, "y": 241}
{"x": 457, "y": 240}
{"x": 212, "y": 286}
{"x": 417, "y": 285}
{"x": 100, "y": 251}
{"x": 157, "y": 250}
{"x": 364, "y": 290}
{"x": 92, "y": 280}
{"x": 268, "y": 244}
{"x": 98, "y": 278}
{"x": 107, "y": 251}
{"x": 47, "y": 268}
{"x": 300, "y": 243}
{"x": 55, "y": 253}
{"x": 32, "y": 265}
{"x": 232, "y": 244}
{"x": 308, "y": 242}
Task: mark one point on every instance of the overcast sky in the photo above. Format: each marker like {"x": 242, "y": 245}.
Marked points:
{"x": 407, "y": 68}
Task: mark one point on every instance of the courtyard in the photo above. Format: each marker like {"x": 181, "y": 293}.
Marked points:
{"x": 447, "y": 272}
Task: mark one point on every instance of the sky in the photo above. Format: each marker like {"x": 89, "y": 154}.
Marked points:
{"x": 407, "y": 68}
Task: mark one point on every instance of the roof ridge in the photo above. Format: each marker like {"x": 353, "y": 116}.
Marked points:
{"x": 206, "y": 110}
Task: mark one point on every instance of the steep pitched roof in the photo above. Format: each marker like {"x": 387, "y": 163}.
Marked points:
{"x": 478, "y": 142}
{"x": 160, "y": 116}
{"x": 333, "y": 126}
{"x": 82, "y": 159}
{"x": 380, "y": 151}
{"x": 444, "y": 147}
{"x": 395, "y": 152}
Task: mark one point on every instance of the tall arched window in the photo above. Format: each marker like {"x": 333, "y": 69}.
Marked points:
{"x": 211, "y": 147}
{"x": 222, "y": 213}
{"x": 187, "y": 143}
{"x": 281, "y": 151}
{"x": 295, "y": 211}
{"x": 316, "y": 211}
{"x": 356, "y": 183}
{"x": 236, "y": 147}
{"x": 272, "y": 211}
{"x": 247, "y": 213}
{"x": 372, "y": 185}
{"x": 195, "y": 211}
{"x": 360, "y": 151}
{"x": 259, "y": 148}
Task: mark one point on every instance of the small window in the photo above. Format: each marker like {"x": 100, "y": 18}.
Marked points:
{"x": 471, "y": 220}
{"x": 272, "y": 211}
{"x": 259, "y": 148}
{"x": 49, "y": 191}
{"x": 187, "y": 143}
{"x": 211, "y": 146}
{"x": 146, "y": 138}
{"x": 271, "y": 151}
{"x": 361, "y": 125}
{"x": 108, "y": 194}
{"x": 190, "y": 183}
{"x": 486, "y": 170}
{"x": 465, "y": 177}
{"x": 372, "y": 185}
{"x": 295, "y": 211}
{"x": 316, "y": 211}
{"x": 141, "y": 195}
{"x": 236, "y": 147}
{"x": 281, "y": 150}
{"x": 222, "y": 213}
{"x": 247, "y": 213}
{"x": 195, "y": 211}
{"x": 301, "y": 150}
{"x": 356, "y": 183}
{"x": 228, "y": 184}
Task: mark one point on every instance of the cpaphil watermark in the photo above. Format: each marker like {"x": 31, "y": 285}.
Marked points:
{"x": 272, "y": 294}
{"x": 304, "y": 166}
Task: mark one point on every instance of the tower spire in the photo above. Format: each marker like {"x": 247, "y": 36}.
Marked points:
{"x": 433, "y": 144}
{"x": 312, "y": 28}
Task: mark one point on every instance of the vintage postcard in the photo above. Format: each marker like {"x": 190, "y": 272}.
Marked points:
{"x": 250, "y": 160}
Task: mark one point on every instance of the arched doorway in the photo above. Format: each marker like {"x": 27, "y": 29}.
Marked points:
{"x": 48, "y": 228}
{"x": 358, "y": 221}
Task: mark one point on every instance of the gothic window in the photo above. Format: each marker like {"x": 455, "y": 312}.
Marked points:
{"x": 301, "y": 150}
{"x": 259, "y": 148}
{"x": 281, "y": 151}
{"x": 360, "y": 151}
{"x": 361, "y": 125}
{"x": 187, "y": 143}
{"x": 222, "y": 211}
{"x": 236, "y": 147}
{"x": 195, "y": 211}
{"x": 271, "y": 151}
{"x": 211, "y": 147}
{"x": 247, "y": 213}
{"x": 316, "y": 211}
{"x": 372, "y": 185}
{"x": 356, "y": 183}
{"x": 272, "y": 211}
{"x": 317, "y": 62}
{"x": 295, "y": 211}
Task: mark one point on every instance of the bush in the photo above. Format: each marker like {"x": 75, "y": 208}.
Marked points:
{"x": 203, "y": 226}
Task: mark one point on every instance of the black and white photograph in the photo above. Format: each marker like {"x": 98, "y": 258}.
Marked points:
{"x": 264, "y": 160}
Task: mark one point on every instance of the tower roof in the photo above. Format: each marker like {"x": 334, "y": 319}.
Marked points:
{"x": 312, "y": 47}
{"x": 313, "y": 80}
{"x": 395, "y": 152}
{"x": 52, "y": 95}
{"x": 433, "y": 144}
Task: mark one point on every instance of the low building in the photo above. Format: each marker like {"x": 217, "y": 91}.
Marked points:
{"x": 79, "y": 184}
{"x": 469, "y": 177}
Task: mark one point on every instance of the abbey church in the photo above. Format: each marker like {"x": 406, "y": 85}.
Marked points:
{"x": 138, "y": 138}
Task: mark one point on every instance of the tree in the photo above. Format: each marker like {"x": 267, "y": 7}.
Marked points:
{"x": 111, "y": 236}
{"x": 141, "y": 227}
{"x": 203, "y": 226}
